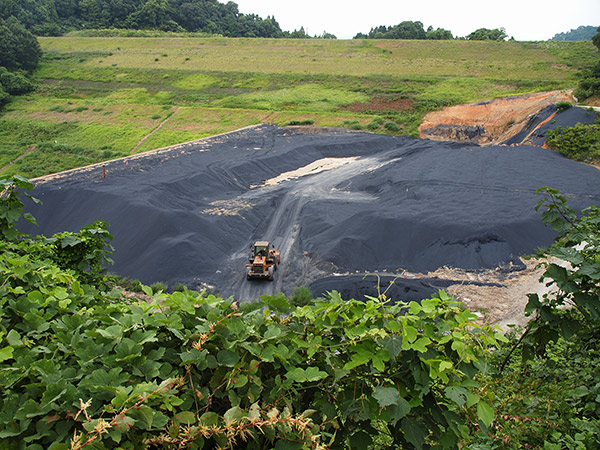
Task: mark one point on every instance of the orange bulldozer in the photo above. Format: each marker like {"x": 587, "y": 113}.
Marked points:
{"x": 263, "y": 260}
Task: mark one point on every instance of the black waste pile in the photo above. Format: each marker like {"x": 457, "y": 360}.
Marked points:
{"x": 361, "y": 203}
{"x": 550, "y": 118}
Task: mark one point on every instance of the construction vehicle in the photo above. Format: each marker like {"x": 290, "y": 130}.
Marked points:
{"x": 263, "y": 261}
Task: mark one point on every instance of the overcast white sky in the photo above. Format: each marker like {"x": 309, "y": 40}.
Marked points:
{"x": 525, "y": 20}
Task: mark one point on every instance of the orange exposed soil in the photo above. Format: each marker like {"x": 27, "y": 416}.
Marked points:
{"x": 488, "y": 122}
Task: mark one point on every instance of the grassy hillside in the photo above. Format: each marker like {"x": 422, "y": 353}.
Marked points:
{"x": 102, "y": 98}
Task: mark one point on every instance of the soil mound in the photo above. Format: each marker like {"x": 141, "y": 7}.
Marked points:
{"x": 494, "y": 121}
{"x": 342, "y": 203}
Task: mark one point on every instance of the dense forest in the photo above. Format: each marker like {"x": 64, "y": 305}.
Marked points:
{"x": 56, "y": 17}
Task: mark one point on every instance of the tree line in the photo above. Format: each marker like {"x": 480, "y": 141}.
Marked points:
{"x": 56, "y": 17}
{"x": 582, "y": 33}
{"x": 415, "y": 30}
{"x": 20, "y": 53}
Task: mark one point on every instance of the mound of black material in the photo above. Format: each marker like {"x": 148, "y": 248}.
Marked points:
{"x": 377, "y": 203}
{"x": 354, "y": 286}
{"x": 548, "y": 119}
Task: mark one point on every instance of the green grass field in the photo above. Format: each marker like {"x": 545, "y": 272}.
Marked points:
{"x": 103, "y": 98}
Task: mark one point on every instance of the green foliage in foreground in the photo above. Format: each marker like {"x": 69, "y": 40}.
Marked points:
{"x": 547, "y": 402}
{"x": 80, "y": 366}
{"x": 581, "y": 142}
{"x": 547, "y": 383}
{"x": 577, "y": 285}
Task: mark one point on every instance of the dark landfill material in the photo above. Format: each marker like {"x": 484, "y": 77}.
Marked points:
{"x": 388, "y": 204}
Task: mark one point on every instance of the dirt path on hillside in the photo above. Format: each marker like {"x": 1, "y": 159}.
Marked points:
{"x": 25, "y": 153}
{"x": 160, "y": 125}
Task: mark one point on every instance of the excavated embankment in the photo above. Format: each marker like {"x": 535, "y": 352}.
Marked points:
{"x": 338, "y": 204}
{"x": 514, "y": 120}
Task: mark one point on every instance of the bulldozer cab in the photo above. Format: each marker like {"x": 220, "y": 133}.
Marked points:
{"x": 261, "y": 250}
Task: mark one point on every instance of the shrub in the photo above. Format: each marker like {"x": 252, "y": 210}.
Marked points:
{"x": 563, "y": 106}
{"x": 159, "y": 286}
{"x": 85, "y": 252}
{"x": 373, "y": 126}
{"x": 300, "y": 122}
{"x": 15, "y": 83}
{"x": 353, "y": 124}
{"x": 179, "y": 287}
{"x": 4, "y": 96}
{"x": 589, "y": 84}
{"x": 581, "y": 142}
{"x": 302, "y": 296}
{"x": 391, "y": 126}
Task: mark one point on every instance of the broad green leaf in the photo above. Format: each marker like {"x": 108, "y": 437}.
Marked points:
{"x": 357, "y": 360}
{"x": 429, "y": 305}
{"x": 485, "y": 413}
{"x": 314, "y": 374}
{"x": 193, "y": 356}
{"x": 457, "y": 394}
{"x": 445, "y": 365}
{"x": 36, "y": 296}
{"x": 186, "y": 417}
{"x": 393, "y": 344}
{"x": 378, "y": 363}
{"x": 228, "y": 358}
{"x": 414, "y": 308}
{"x": 209, "y": 419}
{"x": 471, "y": 399}
{"x": 393, "y": 326}
{"x": 147, "y": 290}
{"x": 112, "y": 332}
{"x": 240, "y": 381}
{"x": 399, "y": 410}
{"x": 14, "y": 338}
{"x": 233, "y": 415}
{"x": 410, "y": 334}
{"x": 272, "y": 332}
{"x": 301, "y": 375}
{"x": 6, "y": 353}
{"x": 386, "y": 396}
{"x": 421, "y": 344}
{"x": 414, "y": 431}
